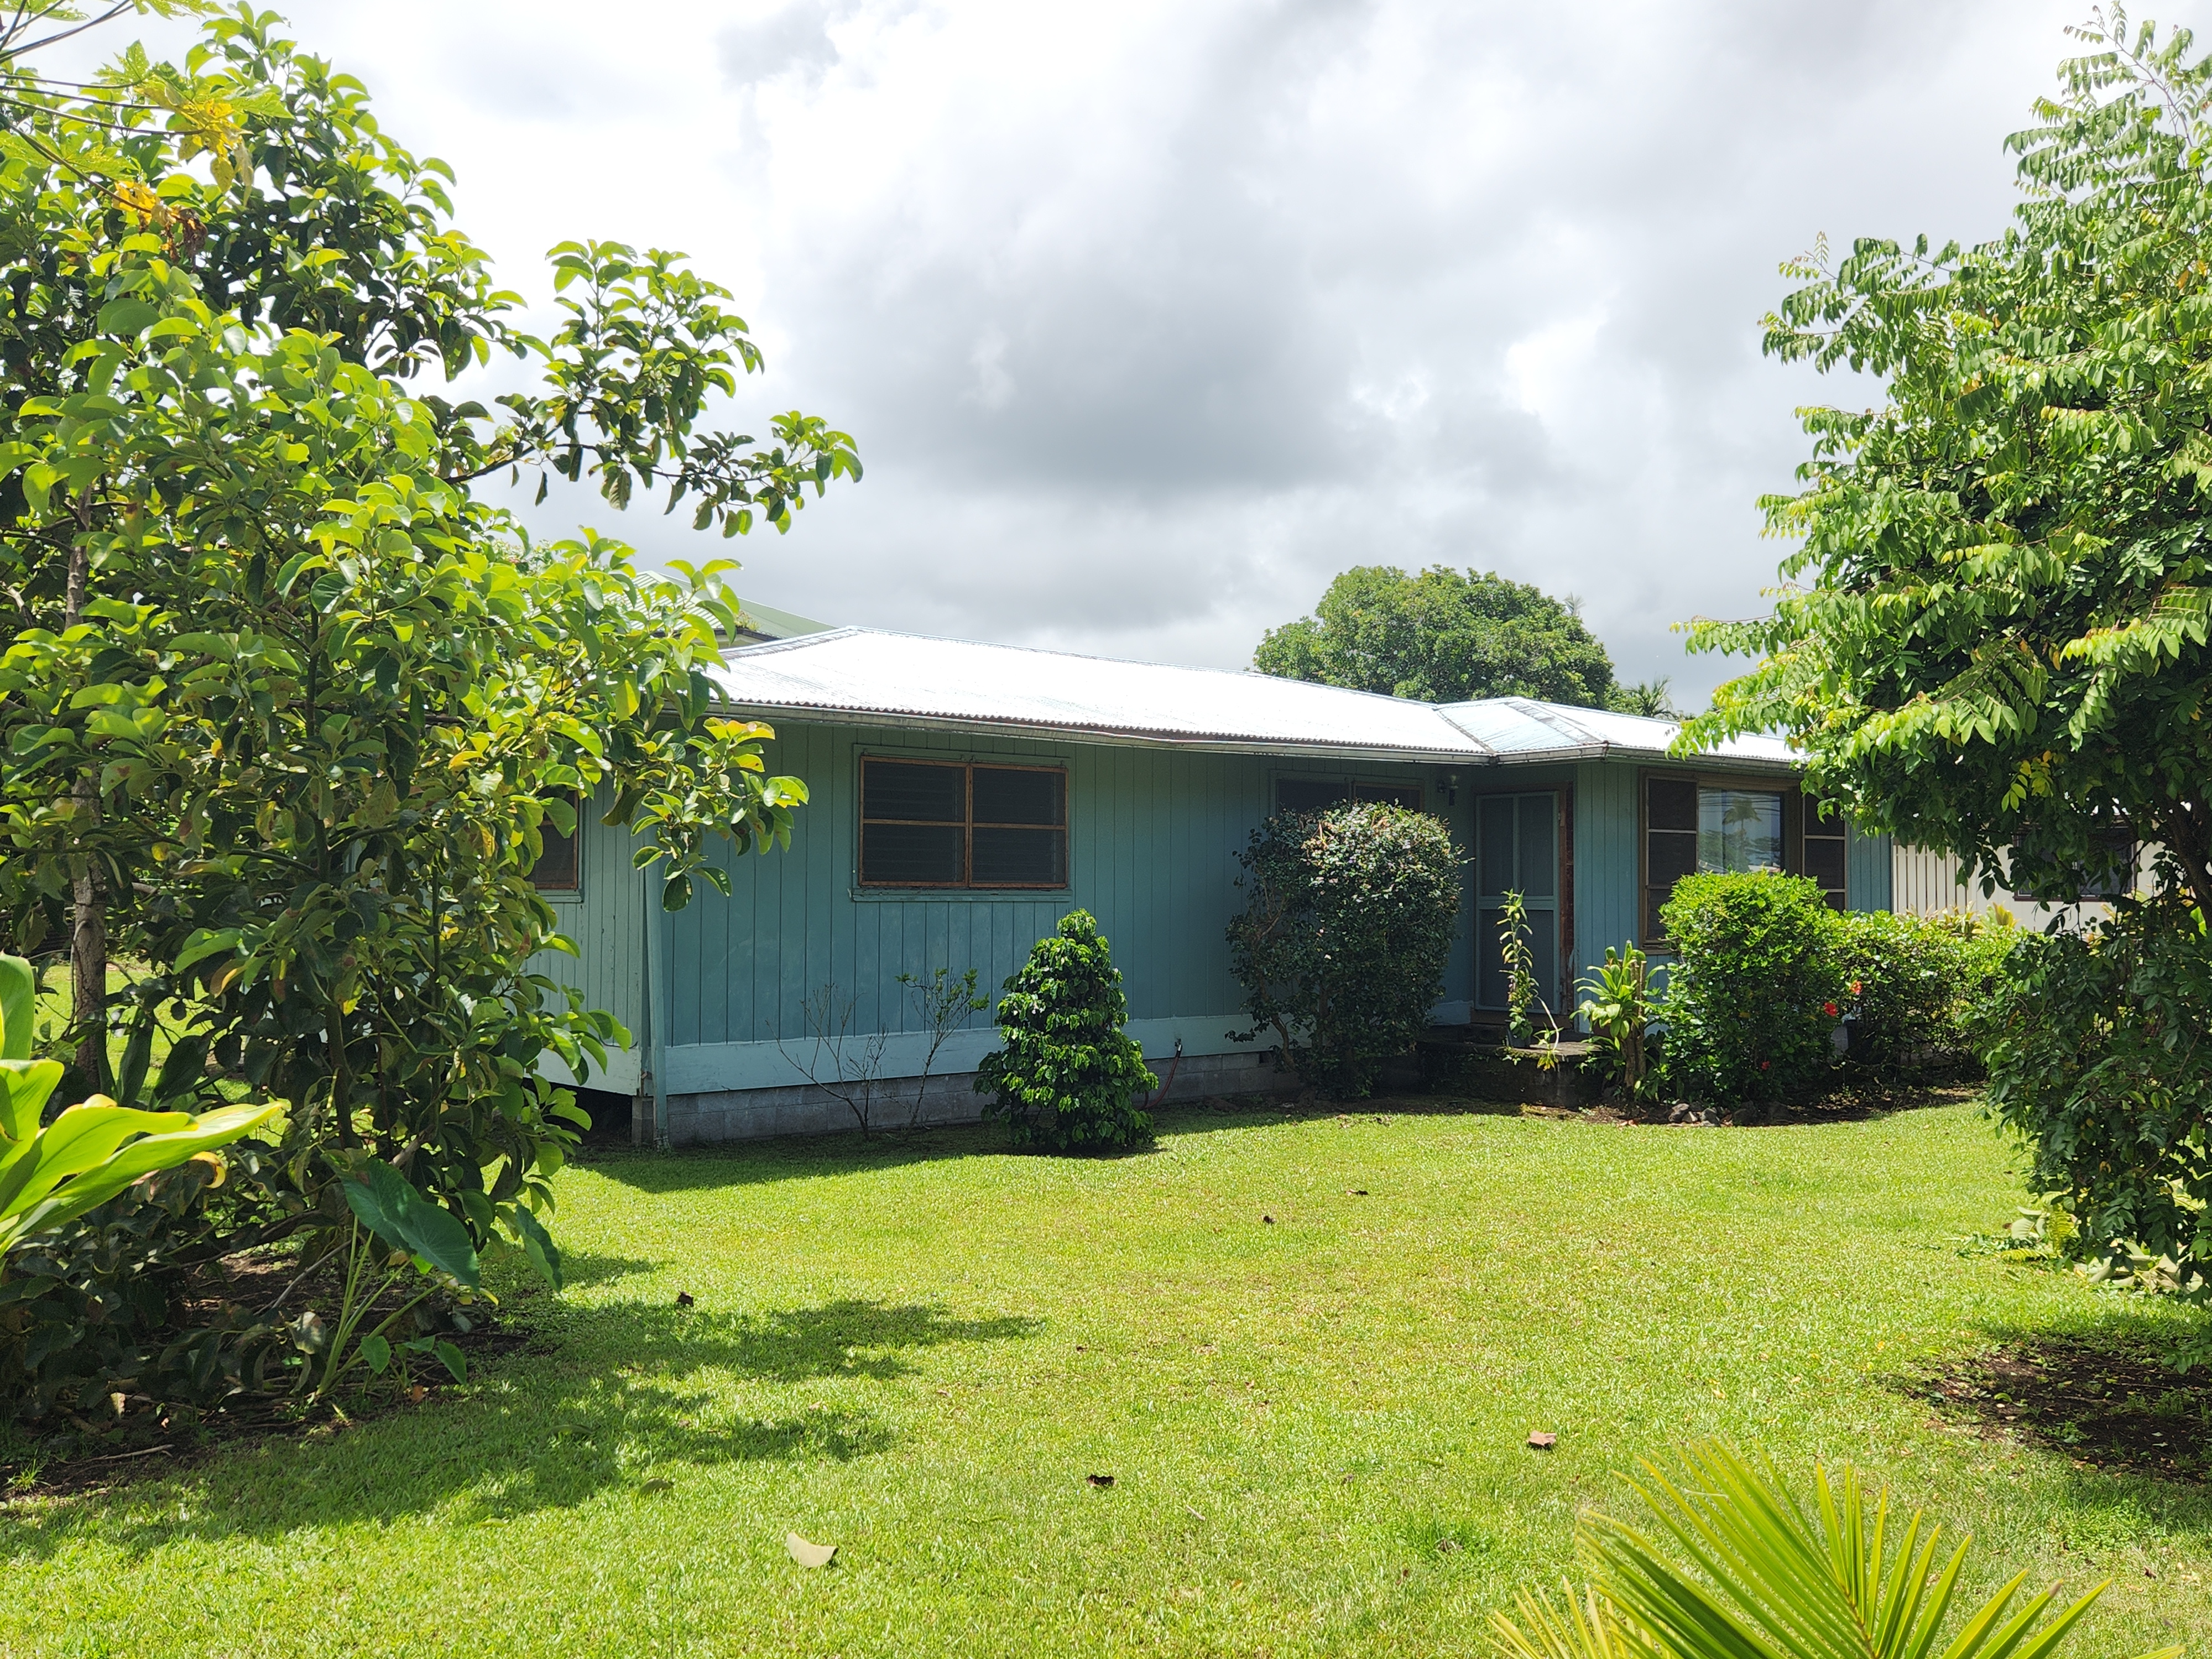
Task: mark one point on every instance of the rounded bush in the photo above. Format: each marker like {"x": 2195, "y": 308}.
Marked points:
{"x": 1912, "y": 984}
{"x": 1068, "y": 1076}
{"x": 1752, "y": 999}
{"x": 1341, "y": 949}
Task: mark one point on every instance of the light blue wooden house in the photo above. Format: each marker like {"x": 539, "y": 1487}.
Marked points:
{"x": 965, "y": 796}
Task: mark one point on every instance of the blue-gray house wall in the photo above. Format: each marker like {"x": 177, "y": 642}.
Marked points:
{"x": 1153, "y": 835}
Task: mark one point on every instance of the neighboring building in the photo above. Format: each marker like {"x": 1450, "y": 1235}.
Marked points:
{"x": 1923, "y": 882}
{"x": 965, "y": 796}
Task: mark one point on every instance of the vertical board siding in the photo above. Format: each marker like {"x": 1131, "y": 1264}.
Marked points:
{"x": 1866, "y": 871}
{"x": 1154, "y": 838}
{"x": 1152, "y": 842}
{"x": 1924, "y": 882}
{"x": 607, "y": 920}
{"x": 1606, "y": 867}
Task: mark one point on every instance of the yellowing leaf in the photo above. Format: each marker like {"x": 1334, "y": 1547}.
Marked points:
{"x": 808, "y": 1555}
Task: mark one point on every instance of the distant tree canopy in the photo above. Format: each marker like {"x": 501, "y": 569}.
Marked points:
{"x": 1445, "y": 636}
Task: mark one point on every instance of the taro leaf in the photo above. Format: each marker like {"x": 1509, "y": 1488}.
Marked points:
{"x": 391, "y": 1209}
{"x": 19, "y": 997}
{"x": 309, "y": 1333}
{"x": 377, "y": 1351}
{"x": 538, "y": 1244}
{"x": 454, "y": 1362}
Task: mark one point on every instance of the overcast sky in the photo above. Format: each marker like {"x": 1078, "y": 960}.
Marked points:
{"x": 1149, "y": 318}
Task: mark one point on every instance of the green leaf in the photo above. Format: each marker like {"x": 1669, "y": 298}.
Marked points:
{"x": 19, "y": 1001}
{"x": 25, "y": 1085}
{"x": 454, "y": 1361}
{"x": 539, "y": 1247}
{"x": 127, "y": 315}
{"x": 1772, "y": 1575}
{"x": 88, "y": 1155}
{"x": 403, "y": 1218}
{"x": 375, "y": 1352}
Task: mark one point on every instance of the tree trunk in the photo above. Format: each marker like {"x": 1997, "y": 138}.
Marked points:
{"x": 88, "y": 932}
{"x": 89, "y": 971}
{"x": 2188, "y": 840}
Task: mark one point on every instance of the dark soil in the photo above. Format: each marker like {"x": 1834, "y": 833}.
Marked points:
{"x": 71, "y": 1460}
{"x": 2118, "y": 1408}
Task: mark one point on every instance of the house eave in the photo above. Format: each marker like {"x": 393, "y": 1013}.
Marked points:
{"x": 1187, "y": 743}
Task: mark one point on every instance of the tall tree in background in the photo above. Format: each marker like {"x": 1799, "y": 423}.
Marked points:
{"x": 1446, "y": 636}
{"x": 2000, "y": 644}
{"x": 285, "y": 707}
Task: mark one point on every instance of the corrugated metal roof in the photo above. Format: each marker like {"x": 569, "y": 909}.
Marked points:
{"x": 1521, "y": 728}
{"x": 911, "y": 679}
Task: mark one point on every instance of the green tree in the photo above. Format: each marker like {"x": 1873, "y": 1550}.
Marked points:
{"x": 1068, "y": 1075}
{"x": 2000, "y": 637}
{"x": 1653, "y": 699}
{"x": 287, "y": 708}
{"x": 1995, "y": 638}
{"x": 1442, "y": 637}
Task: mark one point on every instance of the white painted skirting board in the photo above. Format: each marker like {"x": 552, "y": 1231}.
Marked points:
{"x": 621, "y": 1076}
{"x": 711, "y": 1066}
{"x": 708, "y": 1068}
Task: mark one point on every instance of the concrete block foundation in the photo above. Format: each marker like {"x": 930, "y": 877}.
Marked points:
{"x": 726, "y": 1115}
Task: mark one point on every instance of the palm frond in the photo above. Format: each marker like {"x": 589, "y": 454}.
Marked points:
{"x": 1586, "y": 1629}
{"x": 1770, "y": 1578}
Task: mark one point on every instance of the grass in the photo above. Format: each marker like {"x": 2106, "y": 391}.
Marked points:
{"x": 1315, "y": 1424}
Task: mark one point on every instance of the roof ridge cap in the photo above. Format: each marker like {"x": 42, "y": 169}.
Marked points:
{"x": 855, "y": 630}
{"x": 790, "y": 642}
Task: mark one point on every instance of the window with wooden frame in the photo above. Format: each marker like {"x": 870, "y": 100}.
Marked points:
{"x": 1827, "y": 844}
{"x": 1319, "y": 794}
{"x": 959, "y": 823}
{"x": 560, "y": 866}
{"x": 1691, "y": 826}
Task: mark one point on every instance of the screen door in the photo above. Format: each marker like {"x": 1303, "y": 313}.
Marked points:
{"x": 1516, "y": 851}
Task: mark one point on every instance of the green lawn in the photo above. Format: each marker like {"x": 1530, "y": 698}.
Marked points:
{"x": 919, "y": 1354}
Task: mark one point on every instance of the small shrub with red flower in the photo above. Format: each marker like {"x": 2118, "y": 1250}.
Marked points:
{"x": 1747, "y": 996}
{"x": 1912, "y": 984}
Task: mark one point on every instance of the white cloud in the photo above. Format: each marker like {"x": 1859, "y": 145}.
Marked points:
{"x": 1149, "y": 317}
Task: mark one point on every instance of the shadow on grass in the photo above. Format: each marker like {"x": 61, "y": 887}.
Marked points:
{"x": 581, "y": 1267}
{"x": 791, "y": 1158}
{"x": 2101, "y": 1394}
{"x": 797, "y": 1158}
{"x": 629, "y": 1398}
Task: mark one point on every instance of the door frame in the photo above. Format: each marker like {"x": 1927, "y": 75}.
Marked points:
{"x": 1561, "y": 994}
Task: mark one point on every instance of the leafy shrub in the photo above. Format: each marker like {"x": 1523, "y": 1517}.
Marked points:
{"x": 2098, "y": 1047}
{"x": 1341, "y": 947}
{"x": 1751, "y": 1002}
{"x": 1914, "y": 982}
{"x": 1617, "y": 1004}
{"x": 1068, "y": 1075}
{"x": 99, "y": 1306}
